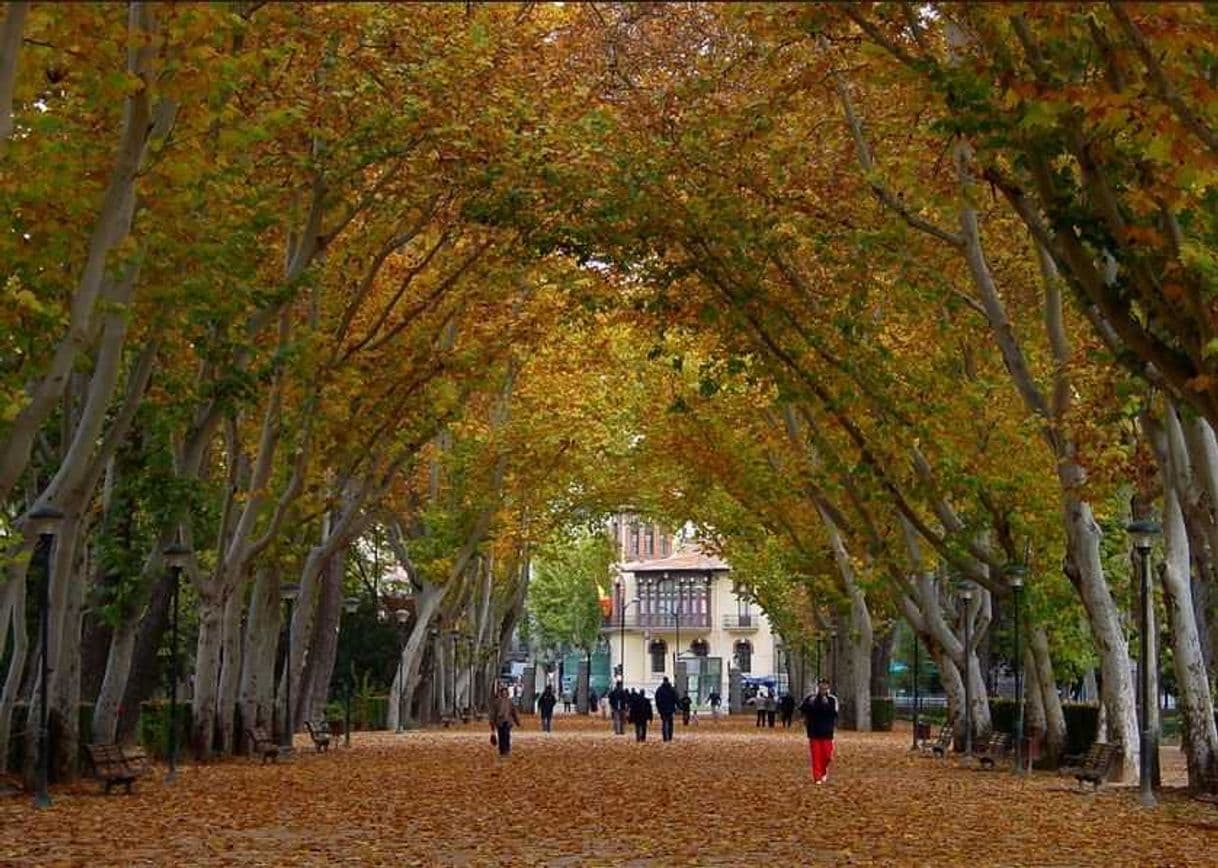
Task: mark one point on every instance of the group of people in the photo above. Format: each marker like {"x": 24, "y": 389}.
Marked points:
{"x": 819, "y": 711}
{"x": 768, "y": 708}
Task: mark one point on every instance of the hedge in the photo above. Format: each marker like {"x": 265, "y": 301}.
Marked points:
{"x": 152, "y": 730}
{"x": 883, "y": 711}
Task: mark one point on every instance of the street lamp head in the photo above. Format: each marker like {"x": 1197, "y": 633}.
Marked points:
{"x": 966, "y": 591}
{"x": 403, "y": 615}
{"x": 350, "y": 605}
{"x": 289, "y": 592}
{"x": 177, "y": 555}
{"x": 1142, "y": 532}
{"x": 44, "y": 520}
{"x": 1016, "y": 573}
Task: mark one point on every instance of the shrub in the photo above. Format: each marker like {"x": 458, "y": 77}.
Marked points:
{"x": 152, "y": 730}
{"x": 883, "y": 710}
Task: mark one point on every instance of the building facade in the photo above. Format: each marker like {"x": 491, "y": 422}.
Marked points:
{"x": 673, "y": 609}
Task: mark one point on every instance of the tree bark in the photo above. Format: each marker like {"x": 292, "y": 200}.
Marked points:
{"x": 10, "y": 48}
{"x": 1055, "y": 716}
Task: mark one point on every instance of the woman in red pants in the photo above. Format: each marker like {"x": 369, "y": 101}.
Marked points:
{"x": 820, "y": 718}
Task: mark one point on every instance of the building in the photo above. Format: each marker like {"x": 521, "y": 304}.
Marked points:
{"x": 674, "y": 605}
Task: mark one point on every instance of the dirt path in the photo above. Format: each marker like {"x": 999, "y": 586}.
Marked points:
{"x": 717, "y": 795}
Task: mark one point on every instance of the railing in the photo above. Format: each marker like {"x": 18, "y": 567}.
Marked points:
{"x": 740, "y": 622}
{"x": 659, "y": 621}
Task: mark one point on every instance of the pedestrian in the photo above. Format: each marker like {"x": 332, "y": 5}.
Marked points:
{"x": 787, "y": 709}
{"x": 686, "y": 705}
{"x": 820, "y": 717}
{"x": 566, "y": 702}
{"x": 769, "y": 708}
{"x": 666, "y": 705}
{"x": 617, "y": 704}
{"x": 545, "y": 705}
{"x": 503, "y": 717}
{"x": 641, "y": 715}
{"x": 592, "y": 700}
{"x": 715, "y": 701}
{"x": 759, "y": 707}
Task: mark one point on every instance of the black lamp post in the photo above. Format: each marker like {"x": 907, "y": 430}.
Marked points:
{"x": 288, "y": 593}
{"x": 915, "y": 690}
{"x": 350, "y": 606}
{"x": 1142, "y": 533}
{"x": 44, "y": 521}
{"x": 1015, "y": 577}
{"x": 820, "y": 644}
{"x": 966, "y": 597}
{"x": 177, "y": 556}
{"x": 453, "y": 635}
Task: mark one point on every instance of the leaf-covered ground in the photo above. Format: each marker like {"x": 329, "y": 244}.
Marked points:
{"x": 721, "y": 794}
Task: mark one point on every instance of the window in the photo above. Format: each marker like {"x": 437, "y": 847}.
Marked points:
{"x": 651, "y": 541}
{"x": 634, "y": 539}
{"x": 744, "y": 655}
{"x": 659, "y": 654}
{"x": 700, "y": 648}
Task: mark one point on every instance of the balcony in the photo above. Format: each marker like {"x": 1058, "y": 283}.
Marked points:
{"x": 659, "y": 621}
{"x": 741, "y": 622}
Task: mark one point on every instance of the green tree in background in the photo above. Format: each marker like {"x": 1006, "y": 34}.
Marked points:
{"x": 564, "y": 591}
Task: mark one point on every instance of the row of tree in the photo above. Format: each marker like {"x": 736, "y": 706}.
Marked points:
{"x": 884, "y": 296}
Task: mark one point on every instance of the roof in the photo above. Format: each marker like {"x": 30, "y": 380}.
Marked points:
{"x": 682, "y": 560}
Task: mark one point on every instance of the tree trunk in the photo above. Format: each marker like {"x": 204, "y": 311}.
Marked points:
{"x": 427, "y": 603}
{"x": 1055, "y": 716}
{"x": 320, "y": 669}
{"x": 257, "y": 692}
{"x": 12, "y": 612}
{"x": 207, "y": 673}
{"x": 1196, "y": 707}
{"x": 1086, "y": 570}
{"x": 230, "y": 672}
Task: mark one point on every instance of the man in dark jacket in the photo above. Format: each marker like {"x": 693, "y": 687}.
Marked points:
{"x": 820, "y": 719}
{"x": 617, "y": 703}
{"x": 666, "y": 705}
{"x": 686, "y": 706}
{"x": 787, "y": 709}
{"x": 545, "y": 705}
{"x": 640, "y": 715}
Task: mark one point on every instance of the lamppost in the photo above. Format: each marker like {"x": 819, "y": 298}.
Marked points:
{"x": 453, "y": 635}
{"x": 177, "y": 556}
{"x": 820, "y": 644}
{"x": 288, "y": 593}
{"x": 1015, "y": 577}
{"x": 350, "y": 606}
{"x": 622, "y": 631}
{"x": 44, "y": 521}
{"x": 1142, "y": 533}
{"x": 966, "y": 597}
{"x": 915, "y": 690}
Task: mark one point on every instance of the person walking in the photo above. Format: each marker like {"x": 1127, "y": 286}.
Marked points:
{"x": 617, "y": 704}
{"x": 566, "y": 702}
{"x": 786, "y": 709}
{"x": 715, "y": 701}
{"x": 769, "y": 708}
{"x": 503, "y": 717}
{"x": 666, "y": 705}
{"x": 759, "y": 707}
{"x": 545, "y": 705}
{"x": 592, "y": 700}
{"x": 686, "y": 705}
{"x": 820, "y": 718}
{"x": 641, "y": 715}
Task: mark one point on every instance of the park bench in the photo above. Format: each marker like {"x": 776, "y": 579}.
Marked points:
{"x": 319, "y": 732}
{"x": 996, "y": 747}
{"x": 113, "y": 765}
{"x": 1094, "y": 766}
{"x": 262, "y": 744}
{"x": 940, "y": 746}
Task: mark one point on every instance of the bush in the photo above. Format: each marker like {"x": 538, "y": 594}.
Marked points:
{"x": 883, "y": 711}
{"x": 152, "y": 730}
{"x": 370, "y": 712}
{"x": 1003, "y": 713}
